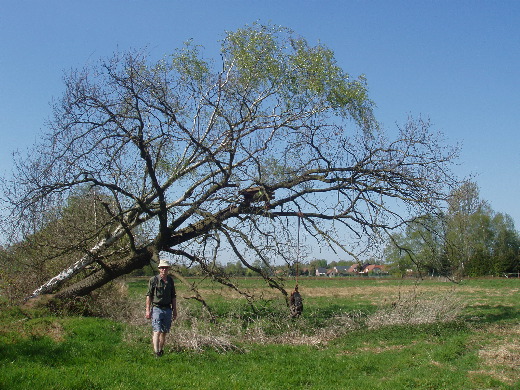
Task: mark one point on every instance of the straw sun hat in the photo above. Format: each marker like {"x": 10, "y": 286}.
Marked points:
{"x": 163, "y": 263}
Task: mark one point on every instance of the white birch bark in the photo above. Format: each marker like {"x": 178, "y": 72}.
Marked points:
{"x": 68, "y": 273}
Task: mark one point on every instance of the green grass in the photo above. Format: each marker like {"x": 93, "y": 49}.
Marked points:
{"x": 478, "y": 350}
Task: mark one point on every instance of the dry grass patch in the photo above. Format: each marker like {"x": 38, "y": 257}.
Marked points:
{"x": 188, "y": 333}
{"x": 410, "y": 308}
{"x": 257, "y": 335}
{"x": 196, "y": 332}
{"x": 197, "y": 340}
{"x": 373, "y": 294}
{"x": 501, "y": 355}
{"x": 415, "y": 308}
{"x": 53, "y": 329}
{"x": 36, "y": 328}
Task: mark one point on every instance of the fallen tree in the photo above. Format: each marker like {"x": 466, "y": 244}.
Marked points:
{"x": 201, "y": 161}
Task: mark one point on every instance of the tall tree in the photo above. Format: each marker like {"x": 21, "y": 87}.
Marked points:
{"x": 420, "y": 248}
{"x": 506, "y": 245}
{"x": 469, "y": 239}
{"x": 203, "y": 158}
{"x": 465, "y": 219}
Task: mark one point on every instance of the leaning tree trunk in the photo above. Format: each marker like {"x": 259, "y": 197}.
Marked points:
{"x": 54, "y": 283}
{"x": 107, "y": 274}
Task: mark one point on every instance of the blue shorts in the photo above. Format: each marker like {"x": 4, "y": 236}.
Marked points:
{"x": 161, "y": 319}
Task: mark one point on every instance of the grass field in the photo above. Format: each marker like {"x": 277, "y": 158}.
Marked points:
{"x": 354, "y": 334}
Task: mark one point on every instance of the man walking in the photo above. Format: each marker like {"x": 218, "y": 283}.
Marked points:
{"x": 161, "y": 306}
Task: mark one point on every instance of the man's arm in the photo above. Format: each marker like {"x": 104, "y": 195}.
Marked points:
{"x": 148, "y": 304}
{"x": 174, "y": 308}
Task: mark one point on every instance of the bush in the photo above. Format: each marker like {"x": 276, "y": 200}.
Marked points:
{"x": 414, "y": 308}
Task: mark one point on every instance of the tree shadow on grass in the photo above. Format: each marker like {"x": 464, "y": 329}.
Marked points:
{"x": 42, "y": 351}
{"x": 489, "y": 314}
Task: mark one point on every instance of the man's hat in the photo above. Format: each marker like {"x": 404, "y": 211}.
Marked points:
{"x": 163, "y": 263}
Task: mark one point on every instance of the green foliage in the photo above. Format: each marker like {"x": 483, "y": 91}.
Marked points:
{"x": 469, "y": 240}
{"x": 67, "y": 232}
{"x": 274, "y": 58}
{"x": 235, "y": 269}
{"x": 189, "y": 64}
{"x": 257, "y": 55}
{"x": 318, "y": 263}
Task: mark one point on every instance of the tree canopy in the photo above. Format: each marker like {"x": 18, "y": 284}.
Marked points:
{"x": 201, "y": 159}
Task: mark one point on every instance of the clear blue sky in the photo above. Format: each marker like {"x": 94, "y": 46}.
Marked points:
{"x": 456, "y": 62}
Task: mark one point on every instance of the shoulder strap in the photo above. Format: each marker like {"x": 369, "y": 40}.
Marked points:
{"x": 154, "y": 285}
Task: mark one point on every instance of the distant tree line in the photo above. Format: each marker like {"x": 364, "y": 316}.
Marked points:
{"x": 468, "y": 239}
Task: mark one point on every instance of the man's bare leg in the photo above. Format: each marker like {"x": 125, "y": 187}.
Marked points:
{"x": 162, "y": 340}
{"x": 156, "y": 342}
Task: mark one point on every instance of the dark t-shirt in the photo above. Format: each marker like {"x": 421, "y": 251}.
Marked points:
{"x": 161, "y": 292}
